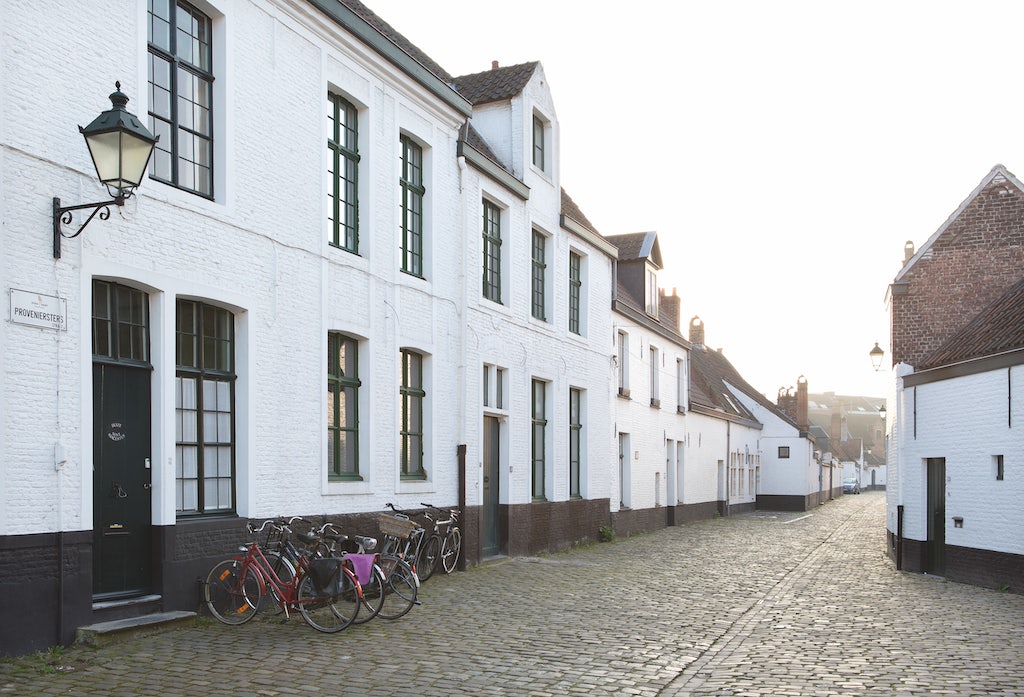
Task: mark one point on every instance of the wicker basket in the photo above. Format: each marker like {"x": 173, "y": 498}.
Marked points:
{"x": 399, "y": 527}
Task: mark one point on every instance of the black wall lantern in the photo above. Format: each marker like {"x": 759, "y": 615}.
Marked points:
{"x": 120, "y": 147}
{"x": 876, "y": 357}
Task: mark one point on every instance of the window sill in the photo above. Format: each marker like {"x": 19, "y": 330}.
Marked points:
{"x": 624, "y": 392}
{"x": 656, "y": 403}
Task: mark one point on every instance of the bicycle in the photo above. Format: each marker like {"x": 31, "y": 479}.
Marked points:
{"x": 448, "y": 536}
{"x": 324, "y": 591}
{"x": 403, "y": 538}
{"x": 391, "y": 584}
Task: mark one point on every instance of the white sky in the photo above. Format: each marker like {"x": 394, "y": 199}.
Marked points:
{"x": 784, "y": 151}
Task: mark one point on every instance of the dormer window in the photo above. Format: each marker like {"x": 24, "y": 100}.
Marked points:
{"x": 651, "y": 292}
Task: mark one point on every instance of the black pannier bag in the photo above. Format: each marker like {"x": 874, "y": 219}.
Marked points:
{"x": 327, "y": 575}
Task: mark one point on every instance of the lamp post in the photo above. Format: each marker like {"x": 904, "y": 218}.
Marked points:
{"x": 876, "y": 357}
{"x": 120, "y": 147}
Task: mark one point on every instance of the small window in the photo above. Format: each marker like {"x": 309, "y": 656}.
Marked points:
{"x": 342, "y": 407}
{"x": 575, "y": 292}
{"x": 623, "y": 364}
{"x": 539, "y": 150}
{"x": 655, "y": 394}
{"x": 783, "y": 452}
{"x": 997, "y": 460}
{"x": 651, "y": 292}
{"x": 539, "y": 439}
{"x": 539, "y": 257}
{"x": 575, "y": 441}
{"x": 412, "y": 395}
{"x": 343, "y": 145}
{"x": 413, "y": 191}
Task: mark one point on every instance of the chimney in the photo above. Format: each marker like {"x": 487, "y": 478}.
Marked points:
{"x": 835, "y": 431}
{"x": 801, "y": 405}
{"x": 908, "y": 251}
{"x": 786, "y": 402}
{"x": 696, "y": 331}
{"x": 494, "y": 65}
{"x": 668, "y": 307}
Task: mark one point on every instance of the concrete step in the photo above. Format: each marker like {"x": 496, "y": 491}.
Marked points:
{"x": 104, "y": 633}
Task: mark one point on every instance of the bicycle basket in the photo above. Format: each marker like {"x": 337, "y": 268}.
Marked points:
{"x": 398, "y": 527}
{"x": 326, "y": 574}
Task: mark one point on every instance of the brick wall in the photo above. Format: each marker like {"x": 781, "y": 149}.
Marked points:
{"x": 971, "y": 264}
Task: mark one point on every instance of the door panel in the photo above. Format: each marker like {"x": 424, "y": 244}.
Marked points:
{"x": 490, "y": 539}
{"x": 121, "y": 480}
{"x": 935, "y": 561}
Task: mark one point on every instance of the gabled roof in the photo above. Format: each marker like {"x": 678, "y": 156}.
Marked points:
{"x": 996, "y": 329}
{"x": 710, "y": 374}
{"x": 998, "y": 174}
{"x": 634, "y": 246}
{"x": 496, "y": 84}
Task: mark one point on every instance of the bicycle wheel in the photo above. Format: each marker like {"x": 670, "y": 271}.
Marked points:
{"x": 400, "y": 588}
{"x": 329, "y": 613}
{"x": 285, "y": 571}
{"x": 233, "y": 591}
{"x": 450, "y": 549}
{"x": 426, "y": 560}
{"x": 373, "y": 596}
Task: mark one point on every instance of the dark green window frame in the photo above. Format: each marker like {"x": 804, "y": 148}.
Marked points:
{"x": 181, "y": 95}
{"x": 344, "y": 146}
{"x": 575, "y": 441}
{"x": 413, "y": 397}
{"x": 575, "y": 291}
{"x": 492, "y": 252}
{"x": 412, "y": 207}
{"x": 204, "y": 409}
{"x": 539, "y": 159}
{"x": 342, "y": 407}
{"x": 120, "y": 323}
{"x": 539, "y": 437}
{"x": 539, "y": 271}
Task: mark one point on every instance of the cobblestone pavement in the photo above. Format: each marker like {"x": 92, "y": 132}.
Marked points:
{"x": 759, "y": 604}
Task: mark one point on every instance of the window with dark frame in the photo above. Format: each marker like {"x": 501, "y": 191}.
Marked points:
{"x": 575, "y": 292}
{"x": 492, "y": 252}
{"x": 343, "y": 144}
{"x": 539, "y": 271}
{"x": 575, "y": 441}
{"x": 412, "y": 207}
{"x": 412, "y": 395}
{"x": 120, "y": 323}
{"x": 783, "y": 452}
{"x": 342, "y": 407}
{"x": 539, "y": 423}
{"x": 539, "y": 155}
{"x": 204, "y": 409}
{"x": 998, "y": 462}
{"x": 181, "y": 95}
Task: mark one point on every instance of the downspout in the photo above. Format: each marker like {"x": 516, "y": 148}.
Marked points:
{"x": 728, "y": 464}
{"x": 899, "y": 466}
{"x": 460, "y": 435}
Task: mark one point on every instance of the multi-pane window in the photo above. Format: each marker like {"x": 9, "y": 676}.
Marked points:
{"x": 783, "y": 452}
{"x": 681, "y": 380}
{"x": 342, "y": 406}
{"x": 575, "y": 292}
{"x": 575, "y": 440}
{"x": 412, "y": 395}
{"x": 492, "y": 252}
{"x": 412, "y": 207}
{"x": 539, "y": 267}
{"x": 540, "y": 426}
{"x": 204, "y": 408}
{"x": 494, "y": 386}
{"x": 343, "y": 144}
{"x": 538, "y": 143}
{"x": 181, "y": 95}
{"x": 120, "y": 322}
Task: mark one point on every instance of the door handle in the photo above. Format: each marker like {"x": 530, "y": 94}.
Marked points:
{"x": 117, "y": 491}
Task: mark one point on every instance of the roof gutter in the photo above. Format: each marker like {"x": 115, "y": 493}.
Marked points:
{"x": 369, "y": 35}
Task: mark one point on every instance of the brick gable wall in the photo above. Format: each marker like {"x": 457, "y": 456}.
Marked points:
{"x": 976, "y": 259}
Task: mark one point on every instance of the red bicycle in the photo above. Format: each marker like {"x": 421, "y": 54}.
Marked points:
{"x": 325, "y": 591}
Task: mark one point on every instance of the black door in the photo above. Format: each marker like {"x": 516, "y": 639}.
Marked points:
{"x": 935, "y": 549}
{"x": 490, "y": 542}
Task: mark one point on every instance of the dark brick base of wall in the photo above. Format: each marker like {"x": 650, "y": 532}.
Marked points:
{"x": 978, "y": 567}
{"x": 628, "y": 521}
{"x": 772, "y": 502}
{"x": 692, "y": 512}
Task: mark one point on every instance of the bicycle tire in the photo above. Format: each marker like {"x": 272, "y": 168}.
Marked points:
{"x": 400, "y": 590}
{"x": 427, "y": 557}
{"x": 321, "y": 611}
{"x": 450, "y": 549}
{"x": 233, "y": 591}
{"x": 285, "y": 570}
{"x": 373, "y": 596}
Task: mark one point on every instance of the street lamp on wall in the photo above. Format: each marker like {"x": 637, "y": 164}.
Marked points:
{"x": 120, "y": 147}
{"x": 876, "y": 356}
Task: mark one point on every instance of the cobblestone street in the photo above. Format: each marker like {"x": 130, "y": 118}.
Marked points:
{"x": 759, "y": 604}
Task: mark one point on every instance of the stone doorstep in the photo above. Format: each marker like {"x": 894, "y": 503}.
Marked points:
{"x": 104, "y": 633}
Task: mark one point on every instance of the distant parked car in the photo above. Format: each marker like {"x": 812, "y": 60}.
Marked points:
{"x": 851, "y": 485}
